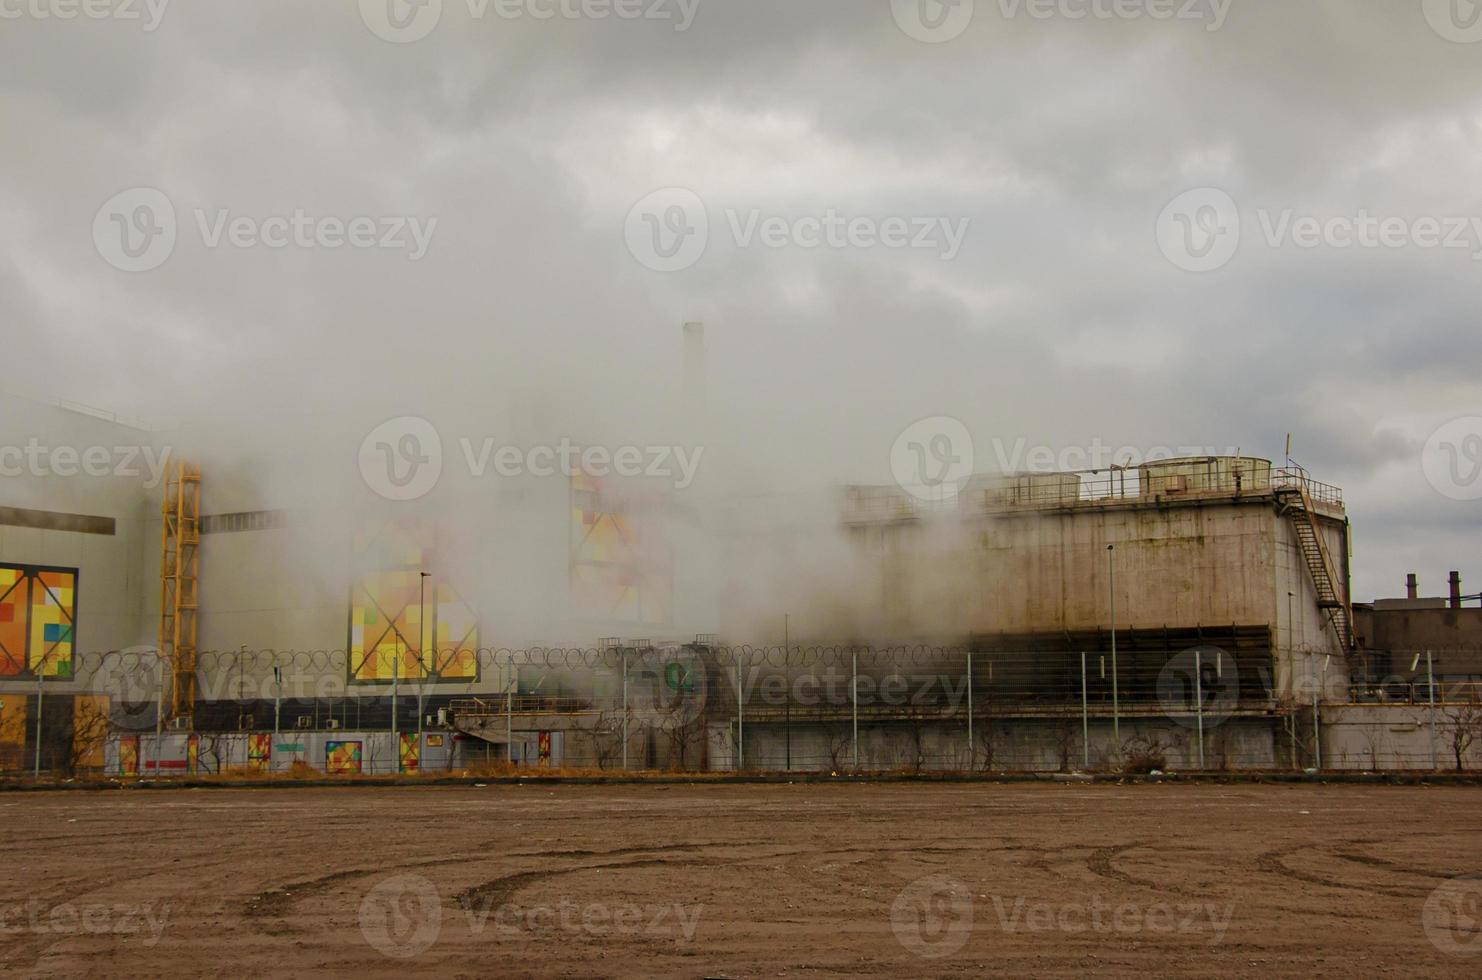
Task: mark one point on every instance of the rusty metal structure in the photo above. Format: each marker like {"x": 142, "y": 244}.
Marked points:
{"x": 180, "y": 540}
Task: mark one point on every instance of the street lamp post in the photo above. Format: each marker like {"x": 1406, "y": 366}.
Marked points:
{"x": 787, "y": 680}
{"x": 421, "y": 656}
{"x": 1111, "y": 591}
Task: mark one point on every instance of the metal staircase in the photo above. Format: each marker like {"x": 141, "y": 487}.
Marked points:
{"x": 1296, "y": 502}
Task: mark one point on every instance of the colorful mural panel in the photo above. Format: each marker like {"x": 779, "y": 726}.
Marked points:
{"x": 15, "y": 605}
{"x": 53, "y": 598}
{"x": 410, "y": 752}
{"x": 38, "y": 609}
{"x": 12, "y": 731}
{"x": 128, "y": 755}
{"x": 259, "y": 751}
{"x": 387, "y": 631}
{"x": 622, "y": 568}
{"x": 342, "y": 757}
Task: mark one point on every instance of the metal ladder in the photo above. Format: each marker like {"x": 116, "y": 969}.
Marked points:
{"x": 1298, "y": 506}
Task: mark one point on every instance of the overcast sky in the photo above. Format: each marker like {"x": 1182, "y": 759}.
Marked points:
{"x": 506, "y": 164}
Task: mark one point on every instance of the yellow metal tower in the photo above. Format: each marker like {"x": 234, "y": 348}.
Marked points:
{"x": 180, "y": 539}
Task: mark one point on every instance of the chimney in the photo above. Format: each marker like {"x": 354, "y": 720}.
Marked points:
{"x": 1456, "y": 590}
{"x": 1412, "y": 587}
{"x": 694, "y": 365}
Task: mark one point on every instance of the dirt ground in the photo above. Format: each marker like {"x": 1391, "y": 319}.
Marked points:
{"x": 744, "y": 881}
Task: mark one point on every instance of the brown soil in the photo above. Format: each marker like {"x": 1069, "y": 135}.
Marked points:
{"x": 736, "y": 881}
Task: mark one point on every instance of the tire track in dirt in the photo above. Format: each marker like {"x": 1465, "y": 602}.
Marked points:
{"x": 1272, "y": 862}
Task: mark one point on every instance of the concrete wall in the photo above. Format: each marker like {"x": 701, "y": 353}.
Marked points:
{"x": 43, "y": 449}
{"x": 1379, "y": 737}
{"x": 1211, "y": 564}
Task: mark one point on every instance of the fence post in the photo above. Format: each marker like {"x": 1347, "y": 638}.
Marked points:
{"x": 972, "y": 751}
{"x": 1085, "y": 718}
{"x": 1199, "y": 704}
{"x": 40, "y": 699}
{"x": 854, "y": 702}
{"x": 159, "y": 713}
{"x": 625, "y": 710}
{"x": 1430, "y": 673}
{"x": 740, "y": 717}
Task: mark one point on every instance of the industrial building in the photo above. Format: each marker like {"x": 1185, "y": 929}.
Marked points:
{"x": 1197, "y": 611}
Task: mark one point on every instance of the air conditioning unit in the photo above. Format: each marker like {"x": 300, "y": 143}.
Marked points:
{"x": 245, "y": 723}
{"x": 180, "y": 724}
{"x": 442, "y": 717}
{"x": 332, "y": 724}
{"x": 304, "y": 721}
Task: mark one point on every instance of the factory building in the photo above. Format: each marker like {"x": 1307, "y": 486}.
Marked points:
{"x": 1195, "y": 610}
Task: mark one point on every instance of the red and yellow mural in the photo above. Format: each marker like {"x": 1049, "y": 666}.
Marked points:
{"x": 622, "y": 567}
{"x": 388, "y": 636}
{"x": 38, "y": 629}
{"x": 342, "y": 757}
{"x": 411, "y": 753}
{"x": 259, "y": 751}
